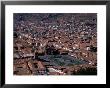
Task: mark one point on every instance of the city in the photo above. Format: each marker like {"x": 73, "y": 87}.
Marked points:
{"x": 55, "y": 44}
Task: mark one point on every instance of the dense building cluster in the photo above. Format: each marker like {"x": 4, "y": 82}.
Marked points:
{"x": 54, "y": 43}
